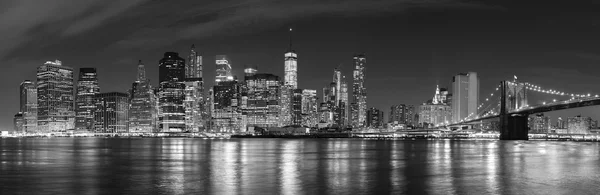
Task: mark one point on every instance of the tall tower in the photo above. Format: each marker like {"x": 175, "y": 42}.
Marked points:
{"x": 465, "y": 95}
{"x": 291, "y": 66}
{"x": 359, "y": 92}
{"x": 194, "y": 93}
{"x": 29, "y": 106}
{"x": 55, "y": 97}
{"x": 87, "y": 88}
{"x": 223, "y": 72}
{"x": 171, "y": 93}
{"x": 142, "y": 112}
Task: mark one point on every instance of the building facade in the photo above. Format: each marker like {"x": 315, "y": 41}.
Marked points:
{"x": 28, "y": 105}
{"x": 19, "y": 123}
{"x": 260, "y": 100}
{"x": 359, "y": 92}
{"x": 435, "y": 112}
{"x": 578, "y": 125}
{"x": 111, "y": 112}
{"x": 539, "y": 123}
{"x": 194, "y": 103}
{"x": 225, "y": 113}
{"x": 87, "y": 88}
{"x": 223, "y": 72}
{"x": 374, "y": 118}
{"x": 55, "y": 97}
{"x": 465, "y": 95}
{"x": 143, "y": 113}
{"x": 309, "y": 108}
{"x": 171, "y": 93}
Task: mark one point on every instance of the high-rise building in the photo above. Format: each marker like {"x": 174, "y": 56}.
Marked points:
{"x": 297, "y": 107}
{"x": 309, "y": 109}
{"x": 560, "y": 123}
{"x": 409, "y": 115}
{"x": 111, "y": 112}
{"x": 171, "y": 93}
{"x": 87, "y": 88}
{"x": 291, "y": 67}
{"x": 260, "y": 100}
{"x": 397, "y": 114}
{"x": 359, "y": 92}
{"x": 223, "y": 69}
{"x": 285, "y": 102}
{"x": 225, "y": 112}
{"x": 539, "y": 123}
{"x": 194, "y": 102}
{"x": 374, "y": 118}
{"x": 465, "y": 95}
{"x": 143, "y": 113}
{"x": 193, "y": 69}
{"x": 435, "y": 111}
{"x": 55, "y": 97}
{"x": 28, "y": 92}
{"x": 579, "y": 125}
{"x": 19, "y": 122}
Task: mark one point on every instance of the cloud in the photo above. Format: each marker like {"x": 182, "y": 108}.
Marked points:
{"x": 25, "y": 20}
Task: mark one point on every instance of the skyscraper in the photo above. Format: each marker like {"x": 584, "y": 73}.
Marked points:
{"x": 55, "y": 97}
{"x": 435, "y": 111}
{"x": 87, "y": 88}
{"x": 465, "y": 95}
{"x": 223, "y": 69}
{"x": 310, "y": 112}
{"x": 225, "y": 113}
{"x": 260, "y": 100}
{"x": 143, "y": 112}
{"x": 171, "y": 93}
{"x": 28, "y": 106}
{"x": 291, "y": 66}
{"x": 359, "y": 92}
{"x": 111, "y": 112}
{"x": 397, "y": 113}
{"x": 194, "y": 102}
{"x": 18, "y": 122}
{"x": 374, "y": 118}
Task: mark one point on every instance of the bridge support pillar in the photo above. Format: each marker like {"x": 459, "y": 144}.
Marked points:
{"x": 514, "y": 127}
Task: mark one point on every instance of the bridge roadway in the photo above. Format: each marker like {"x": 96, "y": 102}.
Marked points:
{"x": 552, "y": 106}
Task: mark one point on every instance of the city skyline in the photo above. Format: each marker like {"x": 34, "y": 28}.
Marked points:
{"x": 431, "y": 62}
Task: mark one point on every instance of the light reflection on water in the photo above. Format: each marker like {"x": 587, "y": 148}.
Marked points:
{"x": 296, "y": 166}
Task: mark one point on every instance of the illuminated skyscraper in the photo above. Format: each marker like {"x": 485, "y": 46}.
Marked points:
{"x": 193, "y": 69}
{"x": 310, "y": 112}
{"x": 28, "y": 105}
{"x": 87, "y": 88}
{"x": 143, "y": 113}
{"x": 374, "y": 118}
{"x": 19, "y": 122}
{"x": 171, "y": 93}
{"x": 359, "y": 93}
{"x": 465, "y": 95}
{"x": 225, "y": 112}
{"x": 260, "y": 100}
{"x": 111, "y": 112}
{"x": 194, "y": 102}
{"x": 291, "y": 67}
{"x": 435, "y": 112}
{"x": 223, "y": 69}
{"x": 55, "y": 97}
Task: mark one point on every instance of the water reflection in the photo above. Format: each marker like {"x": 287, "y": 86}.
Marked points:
{"x": 300, "y": 166}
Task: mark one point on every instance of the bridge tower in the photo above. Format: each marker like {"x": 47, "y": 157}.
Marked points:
{"x": 512, "y": 97}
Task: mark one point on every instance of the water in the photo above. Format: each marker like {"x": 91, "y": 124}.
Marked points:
{"x": 295, "y": 166}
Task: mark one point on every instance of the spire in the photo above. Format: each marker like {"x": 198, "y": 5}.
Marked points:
{"x": 290, "y": 49}
{"x": 141, "y": 71}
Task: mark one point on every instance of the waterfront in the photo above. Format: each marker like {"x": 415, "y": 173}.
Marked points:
{"x": 296, "y": 166}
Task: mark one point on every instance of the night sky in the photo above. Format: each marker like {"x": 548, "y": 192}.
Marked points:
{"x": 411, "y": 45}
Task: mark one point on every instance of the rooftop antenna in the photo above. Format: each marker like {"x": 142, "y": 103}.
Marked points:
{"x": 290, "y": 49}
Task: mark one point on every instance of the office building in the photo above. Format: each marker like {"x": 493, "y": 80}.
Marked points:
{"x": 435, "y": 112}
{"x": 171, "y": 93}
{"x": 539, "y": 123}
{"x": 374, "y": 118}
{"x": 309, "y": 108}
{"x": 465, "y": 95}
{"x": 194, "y": 103}
{"x": 578, "y": 125}
{"x": 291, "y": 67}
{"x": 28, "y": 106}
{"x": 359, "y": 92}
{"x": 87, "y": 88}
{"x": 260, "y": 100}
{"x": 143, "y": 112}
{"x": 225, "y": 112}
{"x": 55, "y": 97}
{"x": 19, "y": 122}
{"x": 397, "y": 114}
{"x": 111, "y": 112}
{"x": 223, "y": 70}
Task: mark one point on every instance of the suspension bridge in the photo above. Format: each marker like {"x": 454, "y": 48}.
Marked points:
{"x": 509, "y": 105}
